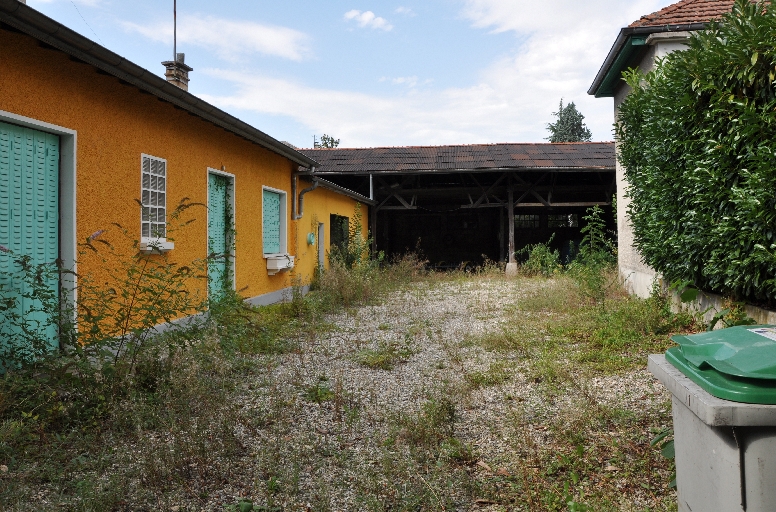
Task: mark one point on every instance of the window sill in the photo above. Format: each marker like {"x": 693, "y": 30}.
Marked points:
{"x": 278, "y": 262}
{"x": 156, "y": 247}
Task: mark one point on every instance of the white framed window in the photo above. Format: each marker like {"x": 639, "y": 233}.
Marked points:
{"x": 153, "y": 199}
{"x": 273, "y": 215}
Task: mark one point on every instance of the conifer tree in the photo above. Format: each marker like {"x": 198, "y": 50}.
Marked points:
{"x": 569, "y": 126}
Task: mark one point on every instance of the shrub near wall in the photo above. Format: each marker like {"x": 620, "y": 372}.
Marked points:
{"x": 697, "y": 137}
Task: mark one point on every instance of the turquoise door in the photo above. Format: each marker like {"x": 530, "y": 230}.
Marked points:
{"x": 29, "y": 226}
{"x": 219, "y": 229}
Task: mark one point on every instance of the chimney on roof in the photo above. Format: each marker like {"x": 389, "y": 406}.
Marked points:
{"x": 177, "y": 72}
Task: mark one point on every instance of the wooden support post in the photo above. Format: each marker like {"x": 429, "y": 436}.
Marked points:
{"x": 373, "y": 228}
{"x": 511, "y": 263}
{"x": 501, "y": 252}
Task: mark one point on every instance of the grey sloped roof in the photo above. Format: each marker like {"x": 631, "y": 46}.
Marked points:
{"x": 459, "y": 158}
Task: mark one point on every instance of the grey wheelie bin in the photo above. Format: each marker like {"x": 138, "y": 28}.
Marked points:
{"x": 724, "y": 410}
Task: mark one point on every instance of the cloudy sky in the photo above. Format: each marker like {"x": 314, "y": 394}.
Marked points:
{"x": 376, "y": 73}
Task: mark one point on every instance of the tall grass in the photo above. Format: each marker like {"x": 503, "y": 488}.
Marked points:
{"x": 152, "y": 407}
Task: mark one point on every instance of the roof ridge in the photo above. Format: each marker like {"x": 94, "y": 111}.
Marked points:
{"x": 706, "y": 10}
{"x": 665, "y": 10}
{"x": 543, "y": 144}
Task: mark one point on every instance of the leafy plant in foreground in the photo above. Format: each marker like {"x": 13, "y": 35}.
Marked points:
{"x": 595, "y": 258}
{"x": 542, "y": 259}
{"x": 664, "y": 440}
{"x": 100, "y": 339}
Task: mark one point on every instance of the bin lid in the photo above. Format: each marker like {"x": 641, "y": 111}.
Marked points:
{"x": 743, "y": 351}
{"x": 727, "y": 387}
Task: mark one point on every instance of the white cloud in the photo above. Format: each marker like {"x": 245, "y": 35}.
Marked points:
{"x": 564, "y": 43}
{"x": 556, "y": 16}
{"x": 567, "y": 41}
{"x": 475, "y": 114}
{"x": 405, "y": 11}
{"x": 368, "y": 19}
{"x": 229, "y": 39}
{"x": 409, "y": 81}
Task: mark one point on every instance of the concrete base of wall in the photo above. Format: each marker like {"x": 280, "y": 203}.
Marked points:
{"x": 267, "y": 299}
{"x": 284, "y": 295}
{"x": 638, "y": 282}
{"x": 710, "y": 304}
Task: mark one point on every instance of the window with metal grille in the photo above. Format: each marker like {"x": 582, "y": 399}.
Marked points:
{"x": 526, "y": 221}
{"x": 153, "y": 193}
{"x": 563, "y": 220}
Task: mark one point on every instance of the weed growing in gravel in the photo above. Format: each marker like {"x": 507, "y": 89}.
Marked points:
{"x": 541, "y": 260}
{"x": 498, "y": 373}
{"x": 517, "y": 338}
{"x": 248, "y": 506}
{"x": 364, "y": 283}
{"x": 385, "y": 356}
{"x": 432, "y": 425}
{"x": 320, "y": 391}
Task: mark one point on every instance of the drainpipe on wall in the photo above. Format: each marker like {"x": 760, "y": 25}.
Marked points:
{"x": 297, "y": 202}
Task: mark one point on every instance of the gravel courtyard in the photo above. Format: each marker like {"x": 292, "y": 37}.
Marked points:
{"x": 455, "y": 394}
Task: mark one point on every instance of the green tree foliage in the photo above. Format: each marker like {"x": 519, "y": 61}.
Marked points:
{"x": 326, "y": 142}
{"x": 569, "y": 126}
{"x": 596, "y": 247}
{"x": 354, "y": 252}
{"x": 696, "y": 136}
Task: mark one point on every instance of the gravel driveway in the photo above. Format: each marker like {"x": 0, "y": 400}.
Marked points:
{"x": 329, "y": 432}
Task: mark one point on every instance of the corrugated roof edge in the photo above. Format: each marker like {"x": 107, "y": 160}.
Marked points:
{"x": 342, "y": 190}
{"x": 429, "y": 170}
{"x": 39, "y": 26}
{"x": 622, "y": 38}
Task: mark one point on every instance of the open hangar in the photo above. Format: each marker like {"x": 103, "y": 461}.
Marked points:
{"x": 452, "y": 203}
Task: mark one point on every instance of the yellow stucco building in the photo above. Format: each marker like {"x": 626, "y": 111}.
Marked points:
{"x": 85, "y": 136}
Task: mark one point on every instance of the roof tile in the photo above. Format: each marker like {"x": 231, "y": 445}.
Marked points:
{"x": 686, "y": 12}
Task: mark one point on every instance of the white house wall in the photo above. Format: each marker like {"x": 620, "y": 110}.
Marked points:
{"x": 637, "y": 275}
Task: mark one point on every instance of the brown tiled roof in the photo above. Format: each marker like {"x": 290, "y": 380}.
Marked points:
{"x": 527, "y": 156}
{"x": 686, "y": 12}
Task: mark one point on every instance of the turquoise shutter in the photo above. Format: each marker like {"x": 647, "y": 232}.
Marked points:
{"x": 271, "y": 222}
{"x": 219, "y": 249}
{"x": 29, "y": 224}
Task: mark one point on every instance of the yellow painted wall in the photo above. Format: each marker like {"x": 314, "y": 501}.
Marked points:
{"x": 116, "y": 123}
{"x": 318, "y": 206}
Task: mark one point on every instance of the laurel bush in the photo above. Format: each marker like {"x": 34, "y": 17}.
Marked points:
{"x": 697, "y": 136}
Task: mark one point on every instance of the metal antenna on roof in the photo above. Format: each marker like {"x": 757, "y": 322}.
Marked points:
{"x": 175, "y": 30}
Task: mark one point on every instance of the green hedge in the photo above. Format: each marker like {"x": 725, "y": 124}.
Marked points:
{"x": 697, "y": 136}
